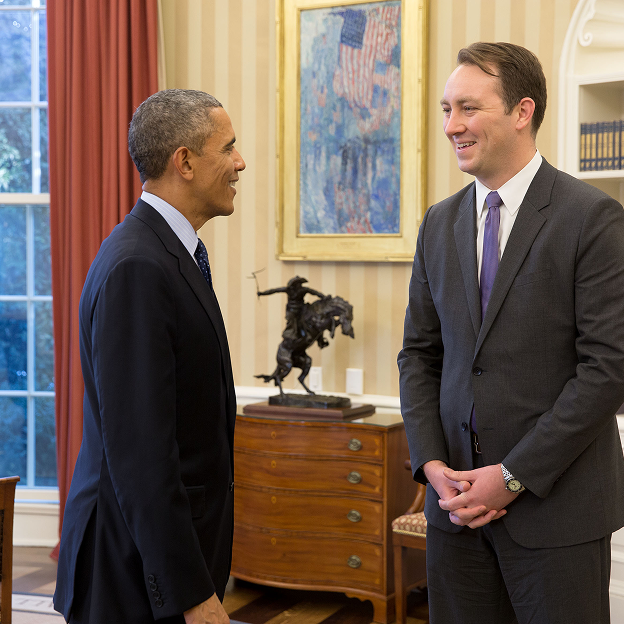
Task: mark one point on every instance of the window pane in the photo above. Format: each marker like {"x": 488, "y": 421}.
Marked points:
{"x": 43, "y": 124}
{"x": 44, "y": 347}
{"x": 15, "y": 55}
{"x": 43, "y": 58}
{"x": 12, "y": 250}
{"x": 13, "y": 439}
{"x": 15, "y": 152}
{"x": 43, "y": 272}
{"x": 45, "y": 442}
{"x": 13, "y": 336}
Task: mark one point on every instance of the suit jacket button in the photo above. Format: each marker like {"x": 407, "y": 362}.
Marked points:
{"x": 159, "y": 603}
{"x": 150, "y": 578}
{"x": 464, "y": 426}
{"x": 153, "y": 586}
{"x": 156, "y": 595}
{"x": 476, "y": 371}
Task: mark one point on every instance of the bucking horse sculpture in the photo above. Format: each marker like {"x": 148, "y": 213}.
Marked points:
{"x": 306, "y": 323}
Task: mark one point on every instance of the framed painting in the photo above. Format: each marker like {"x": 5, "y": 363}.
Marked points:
{"x": 351, "y": 128}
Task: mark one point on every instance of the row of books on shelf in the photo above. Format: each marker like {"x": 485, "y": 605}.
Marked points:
{"x": 601, "y": 146}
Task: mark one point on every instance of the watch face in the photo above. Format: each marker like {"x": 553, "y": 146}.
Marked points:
{"x": 514, "y": 485}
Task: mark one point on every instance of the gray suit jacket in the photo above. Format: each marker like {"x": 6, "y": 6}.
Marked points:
{"x": 544, "y": 368}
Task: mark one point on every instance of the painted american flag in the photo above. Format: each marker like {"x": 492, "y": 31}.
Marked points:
{"x": 368, "y": 72}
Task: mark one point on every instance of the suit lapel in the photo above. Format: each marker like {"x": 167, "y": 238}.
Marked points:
{"x": 528, "y": 223}
{"x": 191, "y": 273}
{"x": 466, "y": 242}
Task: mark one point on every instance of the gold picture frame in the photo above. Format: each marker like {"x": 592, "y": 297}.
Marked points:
{"x": 400, "y": 244}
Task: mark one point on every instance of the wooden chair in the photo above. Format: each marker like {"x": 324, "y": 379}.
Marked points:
{"x": 7, "y": 502}
{"x": 409, "y": 531}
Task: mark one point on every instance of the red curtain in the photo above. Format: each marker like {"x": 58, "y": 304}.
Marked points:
{"x": 102, "y": 63}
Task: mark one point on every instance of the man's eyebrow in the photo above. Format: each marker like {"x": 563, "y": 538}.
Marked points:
{"x": 233, "y": 140}
{"x": 460, "y": 101}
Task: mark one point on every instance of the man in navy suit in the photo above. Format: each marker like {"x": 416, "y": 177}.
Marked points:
{"x": 512, "y": 367}
{"x": 147, "y": 532}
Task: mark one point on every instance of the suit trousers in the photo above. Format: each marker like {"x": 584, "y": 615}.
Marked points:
{"x": 481, "y": 576}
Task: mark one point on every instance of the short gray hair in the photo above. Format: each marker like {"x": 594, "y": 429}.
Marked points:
{"x": 168, "y": 120}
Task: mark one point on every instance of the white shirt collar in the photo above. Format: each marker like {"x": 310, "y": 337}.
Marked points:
{"x": 176, "y": 220}
{"x": 513, "y": 191}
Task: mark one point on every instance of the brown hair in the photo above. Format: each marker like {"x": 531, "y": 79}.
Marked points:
{"x": 519, "y": 71}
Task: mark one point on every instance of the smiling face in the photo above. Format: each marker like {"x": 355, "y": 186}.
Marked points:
{"x": 215, "y": 171}
{"x": 489, "y": 144}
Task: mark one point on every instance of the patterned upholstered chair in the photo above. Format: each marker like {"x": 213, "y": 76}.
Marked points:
{"x": 409, "y": 531}
{"x": 7, "y": 501}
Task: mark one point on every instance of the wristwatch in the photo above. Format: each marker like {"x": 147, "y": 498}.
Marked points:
{"x": 511, "y": 483}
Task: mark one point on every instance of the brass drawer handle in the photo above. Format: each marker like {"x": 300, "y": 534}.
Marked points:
{"x": 354, "y": 561}
{"x": 354, "y": 516}
{"x": 354, "y": 477}
{"x": 355, "y": 445}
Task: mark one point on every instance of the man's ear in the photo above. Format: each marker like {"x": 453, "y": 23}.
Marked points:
{"x": 525, "y": 109}
{"x": 182, "y": 162}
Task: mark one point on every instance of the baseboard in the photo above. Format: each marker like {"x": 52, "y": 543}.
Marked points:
{"x": 36, "y": 523}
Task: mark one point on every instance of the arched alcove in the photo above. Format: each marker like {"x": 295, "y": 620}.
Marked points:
{"x": 591, "y": 84}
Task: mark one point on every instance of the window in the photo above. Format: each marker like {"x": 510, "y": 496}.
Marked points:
{"x": 27, "y": 428}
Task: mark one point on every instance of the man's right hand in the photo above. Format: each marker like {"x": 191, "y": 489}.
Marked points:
{"x": 446, "y": 489}
{"x": 210, "y": 611}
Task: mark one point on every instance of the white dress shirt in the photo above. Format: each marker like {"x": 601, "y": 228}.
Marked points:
{"x": 512, "y": 193}
{"x": 176, "y": 220}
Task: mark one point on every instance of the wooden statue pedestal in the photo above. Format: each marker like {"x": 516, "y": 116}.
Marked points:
{"x": 314, "y": 500}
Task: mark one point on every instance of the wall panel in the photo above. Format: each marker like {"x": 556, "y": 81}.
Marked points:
{"x": 227, "y": 48}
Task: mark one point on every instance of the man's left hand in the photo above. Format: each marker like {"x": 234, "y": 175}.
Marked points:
{"x": 487, "y": 491}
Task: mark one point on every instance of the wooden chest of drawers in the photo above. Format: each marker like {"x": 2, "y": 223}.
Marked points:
{"x": 314, "y": 501}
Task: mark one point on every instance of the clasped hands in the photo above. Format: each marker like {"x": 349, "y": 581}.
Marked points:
{"x": 473, "y": 498}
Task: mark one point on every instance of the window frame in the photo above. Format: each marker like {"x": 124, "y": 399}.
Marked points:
{"x": 30, "y": 200}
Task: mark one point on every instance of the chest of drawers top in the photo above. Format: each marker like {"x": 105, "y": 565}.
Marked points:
{"x": 361, "y": 439}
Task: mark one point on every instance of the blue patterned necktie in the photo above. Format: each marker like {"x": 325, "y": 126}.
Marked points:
{"x": 201, "y": 255}
{"x": 489, "y": 262}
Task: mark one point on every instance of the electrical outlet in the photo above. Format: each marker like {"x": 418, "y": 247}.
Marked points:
{"x": 316, "y": 379}
{"x": 355, "y": 381}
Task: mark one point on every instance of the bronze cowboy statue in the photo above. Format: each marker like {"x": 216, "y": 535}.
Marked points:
{"x": 306, "y": 323}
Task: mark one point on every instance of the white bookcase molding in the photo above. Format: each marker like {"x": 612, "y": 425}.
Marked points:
{"x": 591, "y": 84}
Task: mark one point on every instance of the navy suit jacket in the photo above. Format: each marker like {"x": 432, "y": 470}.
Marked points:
{"x": 544, "y": 369}
{"x": 152, "y": 487}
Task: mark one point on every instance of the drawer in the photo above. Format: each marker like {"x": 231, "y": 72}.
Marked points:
{"x": 301, "y": 473}
{"x": 307, "y": 560}
{"x": 315, "y": 439}
{"x": 313, "y": 513}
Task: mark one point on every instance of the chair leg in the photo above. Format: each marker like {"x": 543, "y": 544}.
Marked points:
{"x": 400, "y": 595}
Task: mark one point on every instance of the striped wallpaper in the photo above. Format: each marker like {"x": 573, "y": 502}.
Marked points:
{"x": 227, "y": 48}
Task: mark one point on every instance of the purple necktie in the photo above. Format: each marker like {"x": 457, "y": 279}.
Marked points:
{"x": 489, "y": 261}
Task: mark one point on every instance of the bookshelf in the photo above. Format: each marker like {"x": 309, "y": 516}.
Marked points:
{"x": 591, "y": 85}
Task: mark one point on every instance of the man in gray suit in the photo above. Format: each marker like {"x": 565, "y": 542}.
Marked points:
{"x": 512, "y": 367}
